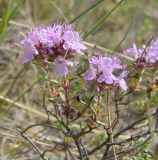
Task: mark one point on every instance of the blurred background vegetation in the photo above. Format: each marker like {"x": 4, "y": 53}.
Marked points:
{"x": 132, "y": 20}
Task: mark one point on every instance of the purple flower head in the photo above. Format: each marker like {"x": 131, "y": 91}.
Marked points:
{"x": 139, "y": 55}
{"x": 60, "y": 66}
{"x": 52, "y": 41}
{"x": 152, "y": 52}
{"x": 72, "y": 41}
{"x": 90, "y": 74}
{"x": 102, "y": 70}
{"x": 30, "y": 50}
{"x": 148, "y": 55}
{"x": 134, "y": 52}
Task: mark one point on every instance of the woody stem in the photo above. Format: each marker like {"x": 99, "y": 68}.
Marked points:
{"x": 110, "y": 123}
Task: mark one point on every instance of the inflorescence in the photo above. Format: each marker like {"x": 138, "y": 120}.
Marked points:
{"x": 59, "y": 44}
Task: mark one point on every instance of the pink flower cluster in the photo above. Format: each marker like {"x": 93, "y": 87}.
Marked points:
{"x": 55, "y": 43}
{"x": 147, "y": 56}
{"x": 102, "y": 71}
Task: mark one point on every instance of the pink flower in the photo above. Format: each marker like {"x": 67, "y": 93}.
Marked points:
{"x": 102, "y": 70}
{"x": 146, "y": 55}
{"x": 134, "y": 52}
{"x": 52, "y": 41}
{"x": 60, "y": 66}
{"x": 152, "y": 55}
{"x": 55, "y": 43}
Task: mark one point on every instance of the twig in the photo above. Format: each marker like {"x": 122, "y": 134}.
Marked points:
{"x": 44, "y": 105}
{"x": 24, "y": 135}
{"x": 125, "y": 152}
{"x": 85, "y": 151}
{"x": 95, "y": 149}
{"x": 110, "y": 123}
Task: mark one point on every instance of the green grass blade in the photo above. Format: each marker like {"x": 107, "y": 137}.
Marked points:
{"x": 74, "y": 7}
{"x": 87, "y": 10}
{"x": 15, "y": 9}
{"x": 7, "y": 15}
{"x": 15, "y": 79}
{"x": 93, "y": 29}
{"x": 3, "y": 23}
{"x": 19, "y": 97}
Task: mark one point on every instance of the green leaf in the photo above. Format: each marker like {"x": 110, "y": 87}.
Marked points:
{"x": 140, "y": 105}
{"x": 86, "y": 11}
{"x": 154, "y": 98}
{"x": 145, "y": 157}
{"x": 101, "y": 138}
{"x": 77, "y": 85}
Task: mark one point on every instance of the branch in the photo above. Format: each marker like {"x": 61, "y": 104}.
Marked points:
{"x": 24, "y": 135}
